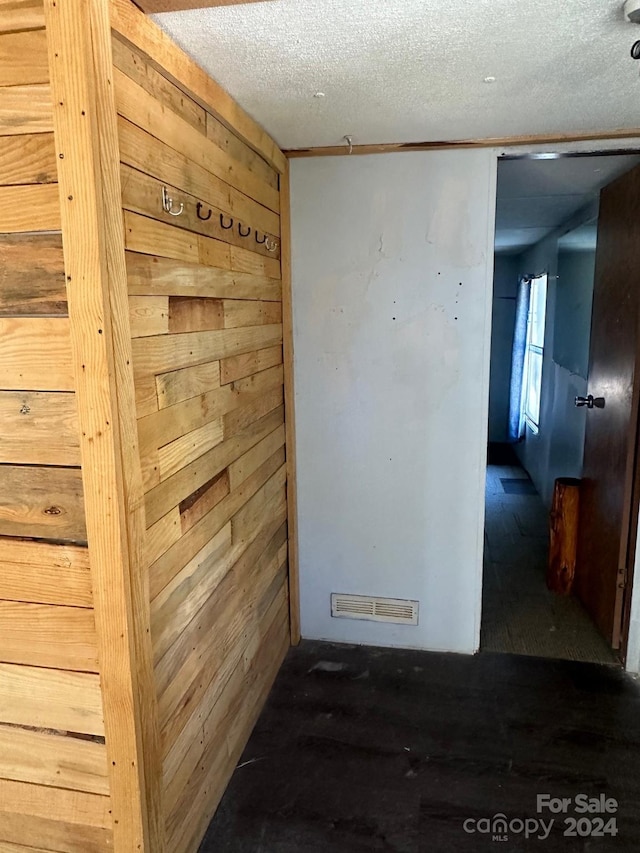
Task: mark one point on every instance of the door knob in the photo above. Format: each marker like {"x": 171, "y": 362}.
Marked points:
{"x": 590, "y": 402}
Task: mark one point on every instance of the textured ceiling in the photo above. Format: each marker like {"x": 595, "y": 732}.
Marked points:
{"x": 535, "y": 196}
{"x": 413, "y": 70}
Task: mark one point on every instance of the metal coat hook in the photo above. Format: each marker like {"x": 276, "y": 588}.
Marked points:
{"x": 199, "y": 208}
{"x": 240, "y": 230}
{"x": 167, "y": 204}
{"x": 272, "y": 245}
{"x": 264, "y": 239}
{"x": 226, "y": 227}
{"x": 349, "y": 141}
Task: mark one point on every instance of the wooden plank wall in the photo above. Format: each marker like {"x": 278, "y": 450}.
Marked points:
{"x": 54, "y": 788}
{"x": 206, "y": 323}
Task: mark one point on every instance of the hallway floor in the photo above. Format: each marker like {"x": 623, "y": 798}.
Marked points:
{"x": 361, "y": 749}
{"x": 519, "y": 614}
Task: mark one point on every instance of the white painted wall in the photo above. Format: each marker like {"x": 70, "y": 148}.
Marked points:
{"x": 392, "y": 273}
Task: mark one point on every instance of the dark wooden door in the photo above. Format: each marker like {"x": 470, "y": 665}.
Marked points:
{"x": 611, "y": 434}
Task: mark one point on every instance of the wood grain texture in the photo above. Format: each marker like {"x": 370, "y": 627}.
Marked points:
{"x": 142, "y": 151}
{"x": 55, "y": 760}
{"x": 20, "y": 15}
{"x": 131, "y": 62}
{"x": 162, "y": 353}
{"x": 51, "y": 699}
{"x": 40, "y": 831}
{"x": 186, "y": 751}
{"x": 152, "y": 6}
{"x": 163, "y": 54}
{"x": 236, "y": 148}
{"x": 167, "y": 240}
{"x": 23, "y": 58}
{"x": 25, "y": 109}
{"x": 39, "y": 428}
{"x": 35, "y": 354}
{"x": 171, "y": 277}
{"x": 148, "y": 315}
{"x": 197, "y": 534}
{"x": 184, "y": 675}
{"x": 43, "y": 503}
{"x": 48, "y": 635}
{"x": 138, "y": 106}
{"x": 216, "y": 552}
{"x": 563, "y": 535}
{"x": 33, "y": 207}
{"x": 290, "y": 415}
{"x": 232, "y": 718}
{"x": 28, "y": 159}
{"x": 181, "y": 599}
{"x": 178, "y": 385}
{"x": 173, "y": 422}
{"x": 202, "y": 501}
{"x": 45, "y": 573}
{"x": 31, "y": 274}
{"x": 86, "y": 135}
{"x": 40, "y": 801}
{"x": 246, "y": 364}
{"x": 142, "y": 194}
{"x": 608, "y": 499}
{"x": 184, "y": 482}
{"x": 488, "y": 142}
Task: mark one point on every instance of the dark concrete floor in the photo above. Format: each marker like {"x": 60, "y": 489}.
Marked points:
{"x": 362, "y": 749}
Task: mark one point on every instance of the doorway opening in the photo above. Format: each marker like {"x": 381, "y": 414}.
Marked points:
{"x": 549, "y": 263}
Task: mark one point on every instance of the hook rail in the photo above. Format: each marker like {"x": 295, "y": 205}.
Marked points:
{"x": 167, "y": 204}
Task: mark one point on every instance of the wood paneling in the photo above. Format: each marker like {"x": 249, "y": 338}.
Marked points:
{"x": 34, "y": 207}
{"x": 51, "y": 699}
{"x": 46, "y": 635}
{"x": 23, "y": 58}
{"x": 179, "y": 385}
{"x": 128, "y": 60}
{"x": 144, "y": 110}
{"x": 18, "y": 15}
{"x": 170, "y": 277}
{"x": 43, "y": 503}
{"x": 80, "y": 57}
{"x": 150, "y": 6}
{"x": 206, "y": 308}
{"x": 54, "y": 788}
{"x": 59, "y": 835}
{"x": 25, "y": 109}
{"x": 28, "y": 159}
{"x": 143, "y": 537}
{"x": 144, "y": 152}
{"x": 166, "y": 57}
{"x": 44, "y": 573}
{"x": 35, "y": 354}
{"x": 40, "y": 801}
{"x": 39, "y": 428}
{"x": 55, "y": 760}
{"x": 237, "y": 367}
{"x": 143, "y": 194}
{"x": 31, "y": 274}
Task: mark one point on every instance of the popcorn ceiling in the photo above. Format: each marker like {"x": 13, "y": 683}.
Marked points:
{"x": 413, "y": 70}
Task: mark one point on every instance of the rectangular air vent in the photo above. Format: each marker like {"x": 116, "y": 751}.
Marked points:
{"x": 374, "y": 609}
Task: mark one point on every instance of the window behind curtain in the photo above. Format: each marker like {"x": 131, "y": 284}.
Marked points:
{"x": 532, "y": 377}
